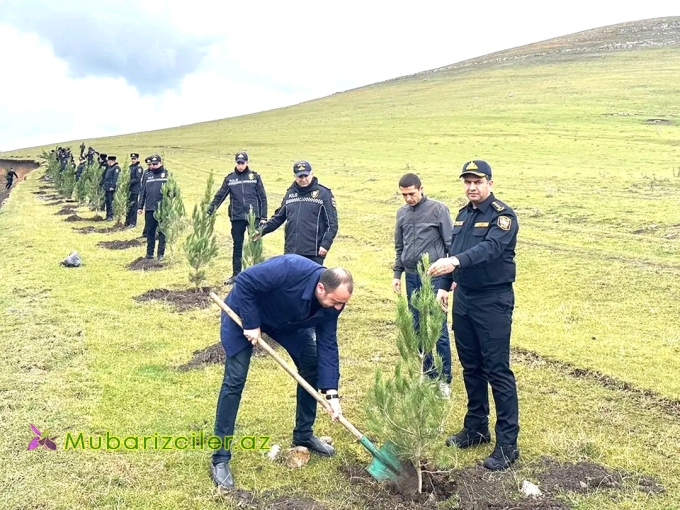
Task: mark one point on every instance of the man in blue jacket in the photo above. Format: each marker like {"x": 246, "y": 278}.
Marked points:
{"x": 292, "y": 299}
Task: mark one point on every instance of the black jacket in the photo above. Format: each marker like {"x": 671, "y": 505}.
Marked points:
{"x": 152, "y": 191}
{"x": 246, "y": 189}
{"x": 136, "y": 172}
{"x": 310, "y": 216}
{"x": 11, "y": 175}
{"x": 110, "y": 177}
{"x": 79, "y": 171}
{"x": 484, "y": 240}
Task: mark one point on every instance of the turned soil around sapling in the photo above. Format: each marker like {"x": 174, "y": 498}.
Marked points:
{"x": 90, "y": 230}
{"x": 144, "y": 264}
{"x": 68, "y": 209}
{"x": 187, "y": 299}
{"x": 75, "y": 217}
{"x": 119, "y": 245}
{"x": 473, "y": 487}
{"x": 214, "y": 355}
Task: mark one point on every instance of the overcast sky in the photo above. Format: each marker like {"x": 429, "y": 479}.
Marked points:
{"x": 79, "y": 69}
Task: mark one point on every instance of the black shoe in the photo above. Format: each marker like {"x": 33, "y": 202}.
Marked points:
{"x": 149, "y": 256}
{"x": 502, "y": 457}
{"x": 230, "y": 280}
{"x": 221, "y": 475}
{"x": 317, "y": 446}
{"x": 160, "y": 258}
{"x": 467, "y": 438}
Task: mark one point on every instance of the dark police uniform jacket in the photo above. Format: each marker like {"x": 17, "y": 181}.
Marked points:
{"x": 110, "y": 177}
{"x": 310, "y": 216}
{"x": 484, "y": 240}
{"x": 152, "y": 192}
{"x": 246, "y": 190}
{"x": 277, "y": 295}
{"x": 79, "y": 171}
{"x": 11, "y": 175}
{"x": 136, "y": 172}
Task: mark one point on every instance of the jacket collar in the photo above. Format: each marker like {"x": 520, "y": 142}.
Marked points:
{"x": 484, "y": 206}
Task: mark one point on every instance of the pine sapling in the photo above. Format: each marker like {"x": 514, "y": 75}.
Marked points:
{"x": 252, "y": 250}
{"x": 407, "y": 408}
{"x": 200, "y": 246}
{"x": 170, "y": 213}
{"x": 121, "y": 197}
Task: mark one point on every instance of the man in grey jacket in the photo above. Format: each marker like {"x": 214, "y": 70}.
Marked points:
{"x": 423, "y": 226}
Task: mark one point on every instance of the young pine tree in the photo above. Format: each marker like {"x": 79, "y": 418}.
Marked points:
{"x": 93, "y": 190}
{"x": 200, "y": 246}
{"x": 407, "y": 408}
{"x": 67, "y": 181}
{"x": 252, "y": 250}
{"x": 170, "y": 213}
{"x": 121, "y": 197}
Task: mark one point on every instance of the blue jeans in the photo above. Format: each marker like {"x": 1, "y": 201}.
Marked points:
{"x": 443, "y": 344}
{"x": 235, "y": 373}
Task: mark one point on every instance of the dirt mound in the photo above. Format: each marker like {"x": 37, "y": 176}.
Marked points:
{"x": 143, "y": 264}
{"x": 474, "y": 487}
{"x": 68, "y": 209}
{"x": 211, "y": 355}
{"x": 90, "y": 230}
{"x": 119, "y": 245}
{"x": 183, "y": 300}
{"x": 214, "y": 355}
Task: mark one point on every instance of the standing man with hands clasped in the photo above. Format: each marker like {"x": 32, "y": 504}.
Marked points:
{"x": 308, "y": 208}
{"x": 423, "y": 226}
{"x": 245, "y": 189}
{"x": 481, "y": 272}
{"x": 292, "y": 299}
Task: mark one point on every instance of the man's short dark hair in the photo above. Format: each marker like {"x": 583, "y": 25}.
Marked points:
{"x": 408, "y": 180}
{"x": 333, "y": 278}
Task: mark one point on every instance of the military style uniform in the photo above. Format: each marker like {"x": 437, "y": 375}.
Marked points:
{"x": 483, "y": 240}
{"x": 246, "y": 190}
{"x": 136, "y": 172}
{"x": 311, "y": 220}
{"x": 152, "y": 194}
{"x": 11, "y": 175}
{"x": 109, "y": 182}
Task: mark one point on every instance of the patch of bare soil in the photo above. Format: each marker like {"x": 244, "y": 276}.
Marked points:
{"x": 45, "y": 187}
{"x": 68, "y": 209}
{"x": 475, "y": 488}
{"x": 75, "y": 217}
{"x": 40, "y": 192}
{"x": 214, "y": 355}
{"x": 659, "y": 121}
{"x": 90, "y": 230}
{"x": 245, "y": 499}
{"x": 119, "y": 245}
{"x": 143, "y": 264}
{"x": 56, "y": 202}
{"x": 81, "y": 230}
{"x": 21, "y": 167}
{"x": 187, "y": 299}
{"x": 647, "y": 397}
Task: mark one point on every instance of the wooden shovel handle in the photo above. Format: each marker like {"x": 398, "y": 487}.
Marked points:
{"x": 308, "y": 387}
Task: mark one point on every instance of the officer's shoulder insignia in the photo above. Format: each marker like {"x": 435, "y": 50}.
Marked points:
{"x": 251, "y": 176}
{"x": 498, "y": 206}
{"x": 333, "y": 201}
{"x": 139, "y": 170}
{"x": 315, "y": 193}
{"x": 162, "y": 175}
{"x": 504, "y": 222}
{"x": 117, "y": 170}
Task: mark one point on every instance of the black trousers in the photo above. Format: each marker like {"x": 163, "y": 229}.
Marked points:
{"x": 235, "y": 373}
{"x": 482, "y": 321}
{"x": 9, "y": 184}
{"x": 108, "y": 203}
{"x": 238, "y": 230}
{"x": 131, "y": 219}
{"x": 152, "y": 226}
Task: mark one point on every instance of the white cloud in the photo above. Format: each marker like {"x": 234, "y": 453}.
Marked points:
{"x": 265, "y": 55}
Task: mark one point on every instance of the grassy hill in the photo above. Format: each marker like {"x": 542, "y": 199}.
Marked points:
{"x": 583, "y": 134}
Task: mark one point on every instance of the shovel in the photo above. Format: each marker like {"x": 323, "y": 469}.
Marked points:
{"x": 385, "y": 465}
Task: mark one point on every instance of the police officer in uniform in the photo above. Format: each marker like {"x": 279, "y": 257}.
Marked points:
{"x": 145, "y": 175}
{"x": 136, "y": 172}
{"x": 109, "y": 184}
{"x": 245, "y": 189}
{"x": 152, "y": 193}
{"x": 483, "y": 271}
{"x": 11, "y": 175}
{"x": 308, "y": 208}
{"x": 81, "y": 168}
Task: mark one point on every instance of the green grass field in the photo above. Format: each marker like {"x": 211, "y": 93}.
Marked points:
{"x": 596, "y": 190}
